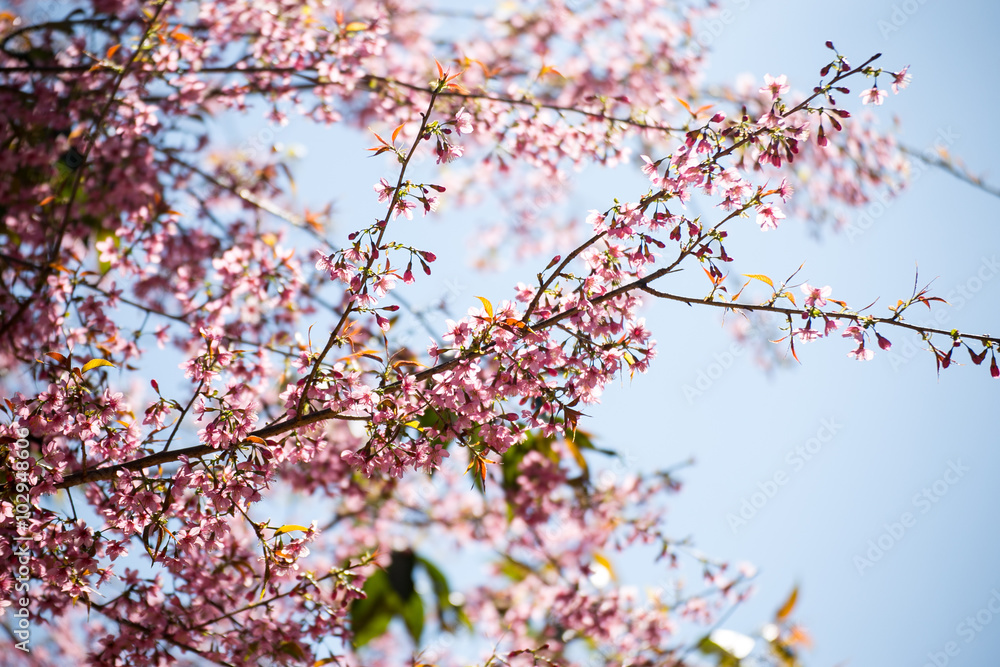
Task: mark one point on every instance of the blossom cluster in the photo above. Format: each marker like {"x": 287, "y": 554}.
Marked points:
{"x": 185, "y": 342}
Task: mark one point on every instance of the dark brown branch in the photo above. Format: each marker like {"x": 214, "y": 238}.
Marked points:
{"x": 846, "y": 315}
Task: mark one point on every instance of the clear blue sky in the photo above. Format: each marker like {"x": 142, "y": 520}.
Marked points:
{"x": 898, "y": 428}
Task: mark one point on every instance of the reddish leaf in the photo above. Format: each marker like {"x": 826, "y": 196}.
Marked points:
{"x": 977, "y": 359}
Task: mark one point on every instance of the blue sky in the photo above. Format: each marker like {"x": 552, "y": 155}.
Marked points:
{"x": 877, "y": 434}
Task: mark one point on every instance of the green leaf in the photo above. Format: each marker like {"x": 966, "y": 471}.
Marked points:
{"x": 370, "y": 615}
{"x": 513, "y": 570}
{"x": 413, "y": 616}
{"x": 400, "y": 573}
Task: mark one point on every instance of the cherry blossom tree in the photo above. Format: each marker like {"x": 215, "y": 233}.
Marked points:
{"x": 183, "y": 345}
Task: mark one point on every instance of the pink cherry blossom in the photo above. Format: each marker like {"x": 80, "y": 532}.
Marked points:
{"x": 873, "y": 96}
{"x": 463, "y": 122}
{"x": 768, "y": 216}
{"x": 815, "y": 296}
{"x": 775, "y": 86}
{"x": 900, "y": 80}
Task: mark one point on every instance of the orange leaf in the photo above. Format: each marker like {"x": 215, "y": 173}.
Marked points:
{"x": 761, "y": 277}
{"x": 96, "y": 363}
{"x": 576, "y": 453}
{"x": 787, "y": 607}
{"x": 927, "y": 300}
{"x": 355, "y": 26}
{"x": 395, "y": 133}
{"x": 737, "y": 295}
{"x": 408, "y": 362}
{"x": 791, "y": 297}
{"x": 487, "y": 306}
{"x": 111, "y": 51}
{"x": 256, "y": 439}
{"x": 799, "y": 636}
{"x": 549, "y": 70}
{"x": 715, "y": 281}
{"x": 55, "y": 355}
{"x": 47, "y": 200}
{"x": 685, "y": 105}
{"x": 440, "y": 69}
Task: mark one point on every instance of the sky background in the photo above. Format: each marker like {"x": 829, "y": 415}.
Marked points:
{"x": 898, "y": 427}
